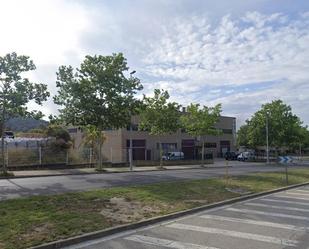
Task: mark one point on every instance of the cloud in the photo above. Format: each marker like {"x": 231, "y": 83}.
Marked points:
{"x": 240, "y": 54}
{"x": 194, "y": 56}
{"x": 48, "y": 31}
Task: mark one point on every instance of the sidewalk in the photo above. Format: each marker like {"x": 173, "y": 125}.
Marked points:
{"x": 221, "y": 163}
{"x": 80, "y": 171}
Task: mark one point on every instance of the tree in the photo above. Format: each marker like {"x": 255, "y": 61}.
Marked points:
{"x": 301, "y": 140}
{"x": 158, "y": 116}
{"x": 62, "y": 136}
{"x": 16, "y": 91}
{"x": 98, "y": 93}
{"x": 92, "y": 137}
{"x": 201, "y": 122}
{"x": 242, "y": 135}
{"x": 283, "y": 125}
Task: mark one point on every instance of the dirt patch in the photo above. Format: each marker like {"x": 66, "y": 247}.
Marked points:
{"x": 37, "y": 232}
{"x": 121, "y": 210}
{"x": 196, "y": 201}
{"x": 240, "y": 191}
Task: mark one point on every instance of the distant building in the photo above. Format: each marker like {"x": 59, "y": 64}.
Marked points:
{"x": 146, "y": 146}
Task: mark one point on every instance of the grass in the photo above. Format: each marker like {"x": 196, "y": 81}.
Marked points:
{"x": 30, "y": 221}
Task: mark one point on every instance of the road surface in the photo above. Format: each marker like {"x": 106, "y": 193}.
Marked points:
{"x": 275, "y": 221}
{"x": 20, "y": 187}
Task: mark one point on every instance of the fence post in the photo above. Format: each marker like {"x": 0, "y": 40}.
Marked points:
{"x": 7, "y": 154}
{"x": 67, "y": 157}
{"x": 90, "y": 156}
{"x": 111, "y": 155}
{"x": 40, "y": 155}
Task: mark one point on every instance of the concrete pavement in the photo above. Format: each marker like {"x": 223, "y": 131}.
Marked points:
{"x": 276, "y": 221}
{"x": 21, "y": 187}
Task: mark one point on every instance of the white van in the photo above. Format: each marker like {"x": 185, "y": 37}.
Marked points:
{"x": 246, "y": 155}
{"x": 173, "y": 156}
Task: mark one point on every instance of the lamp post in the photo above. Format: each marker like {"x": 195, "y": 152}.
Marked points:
{"x": 130, "y": 133}
{"x": 267, "y": 135}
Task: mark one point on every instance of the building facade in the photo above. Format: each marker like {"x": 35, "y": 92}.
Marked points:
{"x": 147, "y": 147}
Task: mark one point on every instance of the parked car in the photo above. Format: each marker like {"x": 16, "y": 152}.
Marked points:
{"x": 230, "y": 155}
{"x": 173, "y": 156}
{"x": 9, "y": 134}
{"x": 245, "y": 156}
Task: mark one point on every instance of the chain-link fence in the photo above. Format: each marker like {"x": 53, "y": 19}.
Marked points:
{"x": 36, "y": 157}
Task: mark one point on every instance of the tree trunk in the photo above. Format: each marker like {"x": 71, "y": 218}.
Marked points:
{"x": 100, "y": 155}
{"x": 160, "y": 149}
{"x": 2, "y": 138}
{"x": 203, "y": 152}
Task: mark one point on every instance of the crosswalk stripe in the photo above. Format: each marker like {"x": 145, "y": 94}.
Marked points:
{"x": 165, "y": 243}
{"x": 248, "y": 211}
{"x": 292, "y": 197}
{"x": 288, "y": 202}
{"x": 255, "y": 222}
{"x": 236, "y": 234}
{"x": 273, "y": 206}
{"x": 300, "y": 194}
{"x": 301, "y": 191}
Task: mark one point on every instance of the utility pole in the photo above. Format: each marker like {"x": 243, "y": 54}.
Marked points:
{"x": 267, "y": 142}
{"x": 130, "y": 146}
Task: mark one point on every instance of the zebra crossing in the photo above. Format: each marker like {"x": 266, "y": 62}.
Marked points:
{"x": 279, "y": 220}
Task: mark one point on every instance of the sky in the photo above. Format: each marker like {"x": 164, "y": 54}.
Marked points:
{"x": 240, "y": 53}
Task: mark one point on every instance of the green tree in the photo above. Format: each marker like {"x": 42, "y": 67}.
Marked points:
{"x": 242, "y": 135}
{"x": 92, "y": 137}
{"x": 98, "y": 93}
{"x": 283, "y": 125}
{"x": 199, "y": 122}
{"x": 16, "y": 91}
{"x": 301, "y": 140}
{"x": 158, "y": 116}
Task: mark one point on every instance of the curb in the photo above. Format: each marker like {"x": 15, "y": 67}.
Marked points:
{"x": 151, "y": 221}
{"x": 107, "y": 172}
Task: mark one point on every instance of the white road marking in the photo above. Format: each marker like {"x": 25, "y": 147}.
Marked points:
{"x": 301, "y": 191}
{"x": 280, "y": 207}
{"x": 248, "y": 211}
{"x": 288, "y": 202}
{"x": 165, "y": 243}
{"x": 292, "y": 197}
{"x": 256, "y": 222}
{"x": 300, "y": 194}
{"x": 250, "y": 236}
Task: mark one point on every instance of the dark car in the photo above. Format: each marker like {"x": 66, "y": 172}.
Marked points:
{"x": 230, "y": 155}
{"x": 9, "y": 134}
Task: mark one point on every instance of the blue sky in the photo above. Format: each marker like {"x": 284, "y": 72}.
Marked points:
{"x": 238, "y": 53}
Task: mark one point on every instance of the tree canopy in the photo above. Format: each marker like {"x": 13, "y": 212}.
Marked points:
{"x": 16, "y": 91}
{"x": 201, "y": 121}
{"x": 98, "y": 93}
{"x": 159, "y": 116}
{"x": 284, "y": 126}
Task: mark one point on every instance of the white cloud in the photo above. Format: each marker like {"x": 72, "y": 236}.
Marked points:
{"x": 46, "y": 30}
{"x": 198, "y": 57}
{"x": 237, "y": 52}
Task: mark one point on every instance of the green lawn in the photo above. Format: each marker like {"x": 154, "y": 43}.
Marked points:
{"x": 25, "y": 222}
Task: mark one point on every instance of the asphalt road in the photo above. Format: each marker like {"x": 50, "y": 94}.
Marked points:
{"x": 275, "y": 221}
{"x": 20, "y": 187}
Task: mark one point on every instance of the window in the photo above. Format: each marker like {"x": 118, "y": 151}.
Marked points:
{"x": 141, "y": 143}
{"x": 210, "y": 145}
{"x": 227, "y": 131}
{"x": 168, "y": 146}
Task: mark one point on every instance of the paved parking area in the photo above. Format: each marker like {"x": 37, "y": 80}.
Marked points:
{"x": 279, "y": 220}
